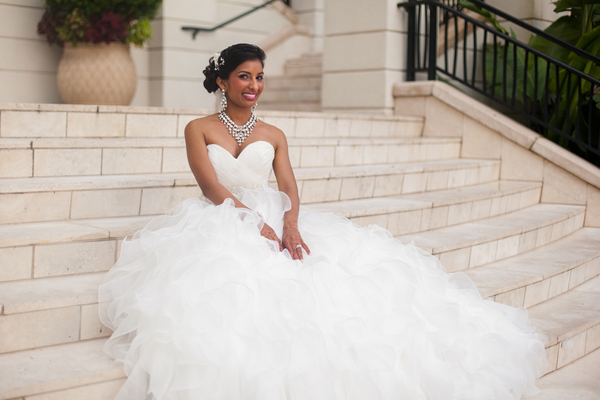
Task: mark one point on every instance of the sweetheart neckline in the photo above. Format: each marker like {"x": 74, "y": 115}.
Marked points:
{"x": 242, "y": 152}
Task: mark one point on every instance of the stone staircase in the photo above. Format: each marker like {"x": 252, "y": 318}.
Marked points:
{"x": 299, "y": 89}
{"x": 76, "y": 180}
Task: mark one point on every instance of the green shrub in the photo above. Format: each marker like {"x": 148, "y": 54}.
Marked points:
{"x": 98, "y": 21}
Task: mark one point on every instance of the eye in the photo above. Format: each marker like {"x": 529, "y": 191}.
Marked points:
{"x": 243, "y": 76}
{"x": 260, "y": 77}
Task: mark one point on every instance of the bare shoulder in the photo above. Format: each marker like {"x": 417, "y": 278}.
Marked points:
{"x": 199, "y": 126}
{"x": 274, "y": 134}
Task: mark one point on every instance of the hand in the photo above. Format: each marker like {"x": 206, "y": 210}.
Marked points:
{"x": 270, "y": 234}
{"x": 294, "y": 243}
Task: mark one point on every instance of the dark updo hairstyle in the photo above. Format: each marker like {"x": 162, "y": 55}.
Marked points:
{"x": 229, "y": 60}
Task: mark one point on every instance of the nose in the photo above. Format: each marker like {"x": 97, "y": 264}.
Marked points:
{"x": 254, "y": 84}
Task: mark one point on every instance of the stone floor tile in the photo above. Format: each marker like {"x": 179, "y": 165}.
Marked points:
{"x": 404, "y": 222}
{"x": 34, "y": 207}
{"x": 49, "y": 293}
{"x": 15, "y": 263}
{"x": 456, "y": 260}
{"x": 569, "y": 314}
{"x": 571, "y": 349}
{"x": 592, "y": 341}
{"x": 47, "y": 232}
{"x": 481, "y": 209}
{"x": 357, "y": 188}
{"x": 414, "y": 183}
{"x": 56, "y": 368}
{"x": 16, "y": 163}
{"x": 97, "y": 391}
{"x": 73, "y": 258}
{"x": 536, "y": 293}
{"x": 105, "y": 203}
{"x": 559, "y": 284}
{"x": 514, "y": 298}
{"x": 40, "y": 328}
{"x": 91, "y": 326}
{"x": 507, "y": 247}
{"x": 551, "y": 358}
{"x": 483, "y": 253}
{"x": 577, "y": 276}
{"x": 459, "y": 213}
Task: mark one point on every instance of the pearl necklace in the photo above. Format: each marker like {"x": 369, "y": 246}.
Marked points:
{"x": 239, "y": 132}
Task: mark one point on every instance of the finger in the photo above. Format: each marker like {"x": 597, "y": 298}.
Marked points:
{"x": 305, "y": 247}
{"x": 299, "y": 252}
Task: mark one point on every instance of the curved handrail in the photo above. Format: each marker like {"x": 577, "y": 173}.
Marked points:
{"x": 197, "y": 29}
{"x": 559, "y": 100}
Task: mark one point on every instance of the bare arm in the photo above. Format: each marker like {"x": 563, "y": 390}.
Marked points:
{"x": 286, "y": 181}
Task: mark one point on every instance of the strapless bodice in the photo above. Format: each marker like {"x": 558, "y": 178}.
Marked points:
{"x": 251, "y": 168}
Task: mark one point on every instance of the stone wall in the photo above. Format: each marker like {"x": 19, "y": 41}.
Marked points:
{"x": 488, "y": 134}
{"x": 169, "y": 68}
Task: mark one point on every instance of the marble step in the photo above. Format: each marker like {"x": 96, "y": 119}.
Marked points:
{"x": 30, "y": 250}
{"x": 411, "y": 213}
{"x": 541, "y": 274}
{"x": 306, "y": 59}
{"x": 571, "y": 322}
{"x": 66, "y": 306}
{"x": 74, "y": 371}
{"x": 82, "y": 121}
{"x": 291, "y": 82}
{"x": 62, "y": 295}
{"x": 41, "y": 199}
{"x": 292, "y": 95}
{"x": 578, "y": 380}
{"x": 49, "y": 311}
{"x": 474, "y": 244}
{"x": 306, "y": 106}
{"x": 110, "y": 156}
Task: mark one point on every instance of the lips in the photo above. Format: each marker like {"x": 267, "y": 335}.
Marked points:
{"x": 249, "y": 96}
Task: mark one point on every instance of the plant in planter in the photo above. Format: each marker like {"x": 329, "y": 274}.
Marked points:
{"x": 96, "y": 67}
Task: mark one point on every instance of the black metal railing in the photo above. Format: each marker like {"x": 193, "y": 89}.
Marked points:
{"x": 556, "y": 99}
{"x": 195, "y": 29}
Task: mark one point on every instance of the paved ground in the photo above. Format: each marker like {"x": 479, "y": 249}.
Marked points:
{"x": 577, "y": 381}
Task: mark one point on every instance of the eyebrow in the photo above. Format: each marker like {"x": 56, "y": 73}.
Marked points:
{"x": 246, "y": 72}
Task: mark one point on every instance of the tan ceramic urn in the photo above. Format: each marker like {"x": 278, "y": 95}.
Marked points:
{"x": 96, "y": 74}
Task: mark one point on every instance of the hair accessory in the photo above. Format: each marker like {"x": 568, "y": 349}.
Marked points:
{"x": 239, "y": 133}
{"x": 223, "y": 101}
{"x": 218, "y": 61}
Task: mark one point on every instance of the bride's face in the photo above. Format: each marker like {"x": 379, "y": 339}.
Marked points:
{"x": 245, "y": 84}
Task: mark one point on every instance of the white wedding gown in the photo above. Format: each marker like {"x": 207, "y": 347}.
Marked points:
{"x": 203, "y": 307}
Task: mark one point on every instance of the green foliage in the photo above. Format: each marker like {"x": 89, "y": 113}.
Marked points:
{"x": 567, "y": 95}
{"x": 73, "y": 28}
{"x": 136, "y": 9}
{"x": 491, "y": 18}
{"x": 98, "y": 21}
{"x": 139, "y": 32}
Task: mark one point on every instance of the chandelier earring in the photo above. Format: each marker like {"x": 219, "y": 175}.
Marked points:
{"x": 223, "y": 100}
{"x": 254, "y": 107}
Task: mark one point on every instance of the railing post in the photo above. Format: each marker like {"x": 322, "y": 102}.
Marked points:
{"x": 412, "y": 38}
{"x": 433, "y": 33}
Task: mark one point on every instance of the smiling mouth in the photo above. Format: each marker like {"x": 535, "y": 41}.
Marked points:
{"x": 249, "y": 96}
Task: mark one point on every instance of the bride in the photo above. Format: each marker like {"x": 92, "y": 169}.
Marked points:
{"x": 244, "y": 294}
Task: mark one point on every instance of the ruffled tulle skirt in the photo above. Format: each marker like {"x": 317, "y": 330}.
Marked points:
{"x": 203, "y": 307}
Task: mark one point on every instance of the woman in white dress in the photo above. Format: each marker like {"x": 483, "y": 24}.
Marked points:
{"x": 244, "y": 294}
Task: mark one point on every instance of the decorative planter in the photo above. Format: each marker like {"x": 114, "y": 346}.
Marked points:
{"x": 96, "y": 74}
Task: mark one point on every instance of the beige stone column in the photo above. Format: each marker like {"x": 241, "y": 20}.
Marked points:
{"x": 364, "y": 55}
